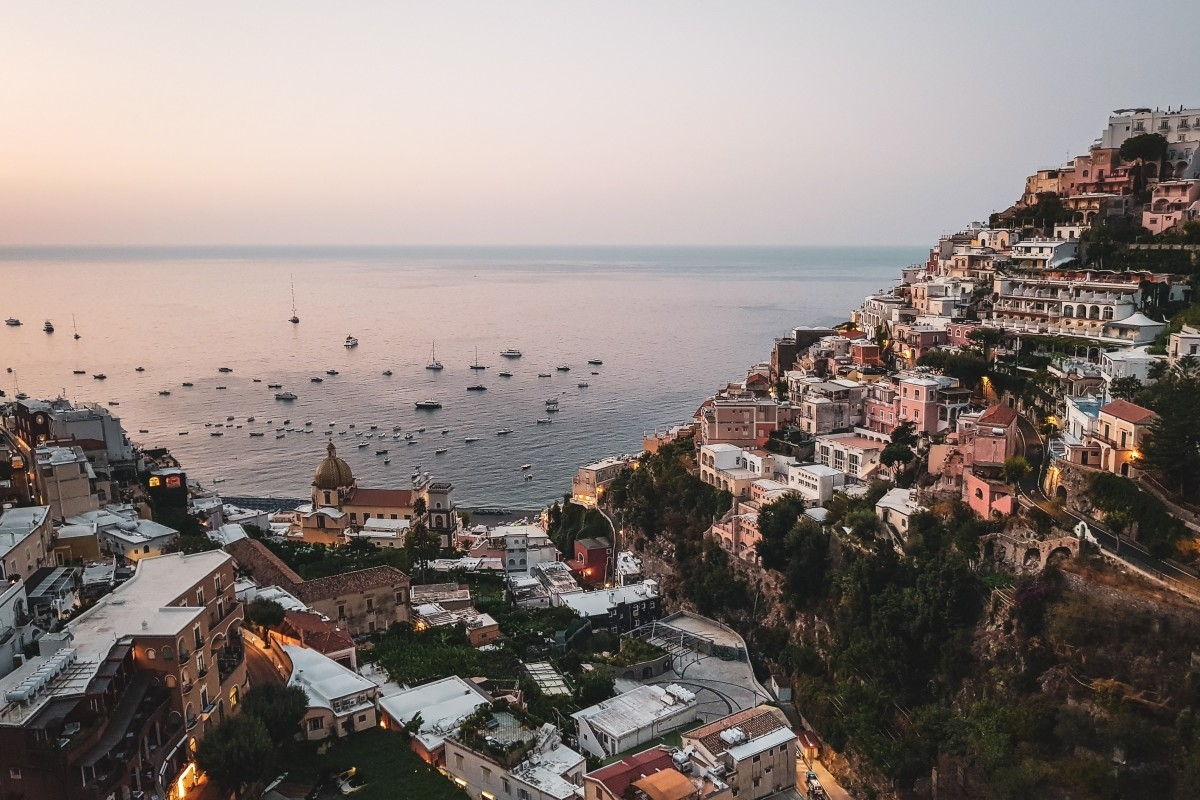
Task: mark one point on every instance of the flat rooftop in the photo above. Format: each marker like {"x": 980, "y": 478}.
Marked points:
{"x": 640, "y": 708}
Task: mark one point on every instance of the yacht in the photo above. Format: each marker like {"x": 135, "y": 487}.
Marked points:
{"x": 317, "y": 379}
{"x": 48, "y": 327}
{"x": 471, "y": 439}
{"x": 511, "y": 352}
{"x": 505, "y": 374}
{"x": 99, "y": 376}
{"x": 285, "y": 396}
{"x": 476, "y": 364}
{"x": 12, "y": 322}
{"x": 479, "y": 387}
{"x": 543, "y": 421}
{"x": 165, "y": 392}
{"x": 595, "y": 362}
{"x": 187, "y": 384}
{"x": 351, "y": 341}
{"x": 563, "y": 368}
{"x": 224, "y": 369}
{"x": 331, "y": 372}
{"x": 526, "y": 466}
{"x": 433, "y": 362}
{"x": 294, "y": 319}
{"x": 274, "y": 385}
{"x": 428, "y": 404}
{"x": 387, "y": 372}
{"x": 504, "y": 432}
{"x": 543, "y": 374}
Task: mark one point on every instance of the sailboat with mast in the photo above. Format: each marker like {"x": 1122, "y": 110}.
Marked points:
{"x": 294, "y": 319}
{"x": 477, "y": 365}
{"x": 74, "y": 328}
{"x": 433, "y": 362}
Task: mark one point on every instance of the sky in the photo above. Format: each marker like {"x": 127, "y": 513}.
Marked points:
{"x": 588, "y": 123}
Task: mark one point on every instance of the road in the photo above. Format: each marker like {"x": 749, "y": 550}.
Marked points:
{"x": 1032, "y": 450}
{"x": 832, "y": 789}
{"x": 260, "y": 666}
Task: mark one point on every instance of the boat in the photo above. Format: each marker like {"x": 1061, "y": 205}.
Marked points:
{"x": 433, "y": 362}
{"x": 164, "y": 392}
{"x": 476, "y": 364}
{"x": 332, "y": 424}
{"x": 387, "y": 461}
{"x": 543, "y": 374}
{"x": 218, "y": 480}
{"x": 408, "y": 436}
{"x": 595, "y": 362}
{"x": 479, "y": 387}
{"x": 222, "y": 387}
{"x": 21, "y": 396}
{"x": 351, "y": 341}
{"x": 114, "y": 402}
{"x": 75, "y": 329}
{"x": 48, "y": 327}
{"x": 217, "y": 433}
{"x": 361, "y": 445}
{"x": 528, "y": 476}
{"x": 274, "y": 385}
{"x": 294, "y": 319}
{"x": 582, "y": 384}
{"x": 563, "y": 368}
{"x": 12, "y": 322}
{"x": 287, "y": 422}
{"x": 440, "y": 450}
{"x": 543, "y": 421}
{"x": 331, "y": 372}
{"x": 387, "y": 372}
{"x": 329, "y": 433}
{"x": 374, "y": 427}
{"x": 595, "y": 373}
{"x": 445, "y": 431}
{"x": 224, "y": 369}
{"x": 229, "y": 419}
{"x": 143, "y": 430}
{"x": 411, "y": 441}
{"x": 505, "y": 374}
{"x": 208, "y": 424}
{"x": 504, "y": 432}
{"x": 256, "y": 380}
{"x": 187, "y": 384}
{"x": 280, "y": 435}
{"x": 526, "y": 466}
{"x": 285, "y": 396}
{"x": 381, "y": 452}
{"x": 99, "y": 376}
{"x": 317, "y": 379}
{"x": 139, "y": 369}
{"x": 308, "y": 424}
{"x": 420, "y": 430}
{"x": 511, "y": 352}
{"x": 428, "y": 404}
{"x": 249, "y": 419}
{"x": 552, "y": 402}
{"x": 395, "y": 428}
{"x": 551, "y": 409}
{"x": 79, "y": 372}
{"x": 257, "y": 434}
{"x": 471, "y": 439}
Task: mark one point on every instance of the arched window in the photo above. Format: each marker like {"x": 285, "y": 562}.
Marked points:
{"x": 167, "y": 653}
{"x": 150, "y": 654}
{"x": 1108, "y": 313}
{"x": 146, "y": 548}
{"x": 1068, "y": 311}
{"x": 1094, "y": 312}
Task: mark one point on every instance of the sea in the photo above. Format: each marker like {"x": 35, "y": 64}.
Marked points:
{"x": 670, "y": 324}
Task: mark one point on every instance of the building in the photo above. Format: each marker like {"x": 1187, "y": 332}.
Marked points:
{"x": 816, "y": 483}
{"x": 16, "y": 626}
{"x": 896, "y": 508}
{"x": 121, "y": 531}
{"x": 741, "y": 419}
{"x": 116, "y": 702}
{"x": 1180, "y": 127}
{"x": 722, "y": 465}
{"x": 306, "y": 629}
{"x": 619, "y": 609}
{"x": 1184, "y": 342}
{"x": 633, "y": 718}
{"x": 25, "y": 536}
{"x": 59, "y": 422}
{"x": 654, "y": 774}
{"x": 1121, "y": 428}
{"x": 442, "y": 705}
{"x": 67, "y": 481}
{"x": 1132, "y": 363}
{"x": 340, "y": 701}
{"x": 363, "y": 601}
{"x": 52, "y": 594}
{"x": 754, "y": 751}
{"x": 481, "y": 629}
{"x": 381, "y": 532}
{"x": 1038, "y": 254}
{"x": 1171, "y": 203}
{"x": 593, "y": 559}
{"x": 519, "y": 547}
{"x": 555, "y": 577}
{"x": 737, "y": 532}
{"x": 498, "y": 757}
{"x": 590, "y": 482}
{"x": 850, "y": 453}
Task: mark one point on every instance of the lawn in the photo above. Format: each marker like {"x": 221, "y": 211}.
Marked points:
{"x": 390, "y": 768}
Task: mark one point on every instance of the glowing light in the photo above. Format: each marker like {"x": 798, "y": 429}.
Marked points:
{"x": 155, "y": 481}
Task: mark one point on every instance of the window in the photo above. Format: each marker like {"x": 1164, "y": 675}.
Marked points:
{"x": 362, "y": 717}
{"x": 150, "y": 654}
{"x": 316, "y": 724}
{"x": 487, "y": 774}
{"x": 233, "y": 696}
{"x": 353, "y": 517}
{"x": 458, "y": 761}
{"x": 507, "y": 789}
{"x": 14, "y": 773}
{"x": 167, "y": 654}
{"x": 524, "y": 795}
{"x": 370, "y": 604}
{"x": 341, "y": 610}
{"x": 200, "y": 596}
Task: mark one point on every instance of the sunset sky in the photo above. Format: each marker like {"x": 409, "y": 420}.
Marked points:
{"x": 556, "y": 122}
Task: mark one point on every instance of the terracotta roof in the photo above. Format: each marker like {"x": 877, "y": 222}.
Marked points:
{"x": 618, "y": 776}
{"x": 316, "y": 633}
{"x": 754, "y": 722}
{"x": 1000, "y": 415}
{"x": 667, "y": 784}
{"x": 1130, "y": 412}
{"x": 855, "y": 334}
{"x": 384, "y": 498}
{"x": 363, "y": 580}
{"x": 267, "y": 568}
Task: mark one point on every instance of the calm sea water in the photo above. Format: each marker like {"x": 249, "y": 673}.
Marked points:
{"x": 670, "y": 324}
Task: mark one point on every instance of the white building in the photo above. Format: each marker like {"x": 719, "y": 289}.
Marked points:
{"x": 896, "y": 508}
{"x": 1132, "y": 363}
{"x": 1184, "y": 342}
{"x": 1044, "y": 253}
{"x": 1181, "y": 129}
{"x": 634, "y": 718}
{"x": 524, "y": 546}
{"x": 25, "y": 535}
{"x": 340, "y": 701}
{"x": 442, "y": 706}
{"x": 754, "y": 751}
{"x": 816, "y": 483}
{"x": 381, "y": 532}
{"x": 67, "y": 480}
{"x": 481, "y": 762}
{"x": 855, "y": 455}
{"x": 121, "y": 532}
{"x": 16, "y": 632}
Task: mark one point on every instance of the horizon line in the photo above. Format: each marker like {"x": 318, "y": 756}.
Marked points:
{"x": 47, "y": 246}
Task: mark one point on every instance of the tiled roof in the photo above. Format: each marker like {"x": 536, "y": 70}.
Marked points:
{"x": 1000, "y": 415}
{"x": 384, "y": 498}
{"x": 267, "y": 568}
{"x": 317, "y": 633}
{"x": 1127, "y": 411}
{"x": 618, "y": 776}
{"x": 754, "y": 722}
{"x": 363, "y": 580}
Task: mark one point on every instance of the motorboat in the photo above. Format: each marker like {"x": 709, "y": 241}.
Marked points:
{"x": 257, "y": 434}
{"x": 218, "y": 480}
{"x": 433, "y": 362}
{"x": 595, "y": 362}
{"x": 284, "y": 396}
{"x": 165, "y": 392}
{"x": 544, "y": 421}
{"x": 595, "y": 373}
{"x": 229, "y": 419}
{"x": 387, "y": 372}
{"x": 79, "y": 372}
{"x": 511, "y": 352}
{"x": 99, "y": 376}
{"x": 317, "y": 379}
{"x": 12, "y": 322}
{"x": 224, "y": 369}
{"x": 563, "y": 368}
{"x": 505, "y": 374}
{"x": 543, "y": 374}
{"x": 143, "y": 430}
{"x": 249, "y": 419}
{"x": 504, "y": 432}
{"x": 48, "y": 327}
{"x": 479, "y": 387}
{"x": 274, "y": 385}
{"x": 280, "y": 435}
{"x": 552, "y": 403}
{"x": 445, "y": 431}
{"x": 387, "y": 461}
{"x": 217, "y": 433}
{"x": 420, "y": 430}
{"x": 373, "y": 427}
{"x": 395, "y": 428}
{"x": 408, "y": 436}
{"x": 381, "y": 452}
{"x": 222, "y": 388}
{"x": 308, "y": 424}
{"x": 333, "y": 424}
{"x": 471, "y": 439}
{"x": 331, "y": 372}
{"x": 582, "y": 384}
{"x": 528, "y": 476}
{"x": 139, "y": 369}
{"x": 526, "y": 466}
{"x": 361, "y": 445}
{"x": 187, "y": 384}
{"x": 351, "y": 341}
{"x": 440, "y": 451}
{"x": 114, "y": 402}
{"x": 208, "y": 424}
{"x": 256, "y": 380}
{"x": 411, "y": 441}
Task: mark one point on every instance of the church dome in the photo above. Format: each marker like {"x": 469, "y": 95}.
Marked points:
{"x": 333, "y": 473}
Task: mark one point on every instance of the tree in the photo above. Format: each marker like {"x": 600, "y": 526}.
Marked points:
{"x": 1126, "y": 388}
{"x": 901, "y": 450}
{"x": 196, "y": 544}
{"x": 1146, "y": 146}
{"x": 596, "y": 685}
{"x": 419, "y": 507}
{"x": 986, "y": 340}
{"x": 237, "y": 753}
{"x": 422, "y": 545}
{"x": 1015, "y": 469}
{"x": 1172, "y": 445}
{"x": 264, "y": 614}
{"x": 279, "y": 708}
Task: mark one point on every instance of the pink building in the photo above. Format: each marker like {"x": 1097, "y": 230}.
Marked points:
{"x": 919, "y": 401}
{"x": 1172, "y": 202}
{"x": 911, "y": 341}
{"x": 882, "y": 406}
{"x": 957, "y": 333}
{"x": 988, "y": 497}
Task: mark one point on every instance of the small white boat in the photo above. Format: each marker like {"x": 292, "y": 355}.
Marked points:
{"x": 528, "y": 476}
{"x": 543, "y": 374}
{"x": 361, "y": 445}
{"x": 511, "y": 352}
{"x": 505, "y": 374}
{"x": 387, "y": 461}
{"x": 440, "y": 451}
{"x": 428, "y": 405}
{"x": 595, "y": 362}
{"x": 445, "y": 431}
{"x": 526, "y": 466}
{"x": 504, "y": 432}
{"x": 331, "y": 372}
{"x": 285, "y": 396}
{"x": 351, "y": 341}
{"x": 471, "y": 439}
{"x": 543, "y": 421}
{"x": 563, "y": 368}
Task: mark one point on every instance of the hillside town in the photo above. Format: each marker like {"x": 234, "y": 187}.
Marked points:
{"x": 1024, "y": 399}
